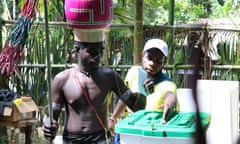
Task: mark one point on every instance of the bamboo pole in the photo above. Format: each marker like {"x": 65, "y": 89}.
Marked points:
{"x": 48, "y": 63}
{"x": 170, "y": 33}
{"x": 162, "y": 27}
{"x": 167, "y": 67}
{"x": 207, "y": 60}
{"x": 138, "y": 32}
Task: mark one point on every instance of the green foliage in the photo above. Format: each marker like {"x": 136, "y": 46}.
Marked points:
{"x": 123, "y": 12}
{"x": 123, "y": 16}
{"x": 34, "y": 80}
{"x": 227, "y": 10}
{"x": 228, "y": 54}
{"x": 4, "y": 140}
{"x": 121, "y": 39}
{"x": 179, "y": 57}
{"x": 1, "y": 7}
{"x": 186, "y": 13}
{"x": 227, "y": 48}
{"x": 55, "y": 10}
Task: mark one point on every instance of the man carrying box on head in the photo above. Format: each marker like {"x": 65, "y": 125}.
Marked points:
{"x": 85, "y": 90}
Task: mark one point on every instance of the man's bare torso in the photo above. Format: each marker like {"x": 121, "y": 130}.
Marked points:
{"x": 81, "y": 117}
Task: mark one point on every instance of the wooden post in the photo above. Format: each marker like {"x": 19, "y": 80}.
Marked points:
{"x": 138, "y": 32}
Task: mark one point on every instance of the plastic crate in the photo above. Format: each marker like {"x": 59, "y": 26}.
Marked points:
{"x": 145, "y": 127}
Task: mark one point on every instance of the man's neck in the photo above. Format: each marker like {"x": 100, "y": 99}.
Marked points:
{"x": 87, "y": 72}
{"x": 156, "y": 75}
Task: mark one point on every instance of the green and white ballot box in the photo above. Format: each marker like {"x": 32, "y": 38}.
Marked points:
{"x": 145, "y": 127}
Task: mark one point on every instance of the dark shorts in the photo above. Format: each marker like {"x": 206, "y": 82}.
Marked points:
{"x": 98, "y": 137}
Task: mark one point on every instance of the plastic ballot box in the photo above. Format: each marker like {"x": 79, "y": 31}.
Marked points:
{"x": 220, "y": 98}
{"x": 145, "y": 127}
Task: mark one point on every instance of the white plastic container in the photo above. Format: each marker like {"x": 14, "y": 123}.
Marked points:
{"x": 133, "y": 139}
{"x": 221, "y": 100}
{"x": 224, "y": 110}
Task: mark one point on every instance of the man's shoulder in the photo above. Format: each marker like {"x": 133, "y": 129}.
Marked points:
{"x": 65, "y": 73}
{"x": 136, "y": 68}
{"x": 167, "y": 85}
{"x": 69, "y": 70}
{"x": 105, "y": 70}
{"x": 136, "y": 73}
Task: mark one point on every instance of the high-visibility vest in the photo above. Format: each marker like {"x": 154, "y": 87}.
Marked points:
{"x": 135, "y": 78}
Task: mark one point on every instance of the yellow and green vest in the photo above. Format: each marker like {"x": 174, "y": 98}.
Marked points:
{"x": 162, "y": 84}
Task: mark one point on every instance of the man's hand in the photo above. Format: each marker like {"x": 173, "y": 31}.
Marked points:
{"x": 111, "y": 125}
{"x": 148, "y": 84}
{"x": 169, "y": 104}
{"x": 166, "y": 108}
{"x": 50, "y": 130}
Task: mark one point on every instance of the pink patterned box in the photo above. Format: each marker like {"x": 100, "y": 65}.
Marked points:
{"x": 89, "y": 14}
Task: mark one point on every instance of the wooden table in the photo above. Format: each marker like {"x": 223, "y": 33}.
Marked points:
{"x": 26, "y": 124}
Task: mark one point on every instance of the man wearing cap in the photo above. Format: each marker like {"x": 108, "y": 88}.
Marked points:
{"x": 150, "y": 80}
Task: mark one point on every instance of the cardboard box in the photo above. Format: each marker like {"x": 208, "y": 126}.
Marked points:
{"x": 21, "y": 110}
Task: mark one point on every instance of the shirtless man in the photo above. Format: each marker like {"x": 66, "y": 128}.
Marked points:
{"x": 70, "y": 89}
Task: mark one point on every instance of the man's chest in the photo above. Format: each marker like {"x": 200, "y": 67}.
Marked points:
{"x": 79, "y": 89}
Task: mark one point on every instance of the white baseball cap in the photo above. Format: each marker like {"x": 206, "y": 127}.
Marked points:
{"x": 156, "y": 43}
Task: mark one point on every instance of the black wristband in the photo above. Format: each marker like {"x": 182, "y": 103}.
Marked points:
{"x": 126, "y": 95}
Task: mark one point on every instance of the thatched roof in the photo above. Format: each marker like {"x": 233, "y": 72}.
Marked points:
{"x": 220, "y": 22}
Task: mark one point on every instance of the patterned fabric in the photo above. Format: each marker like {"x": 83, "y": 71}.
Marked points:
{"x": 6, "y": 98}
{"x": 89, "y": 14}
